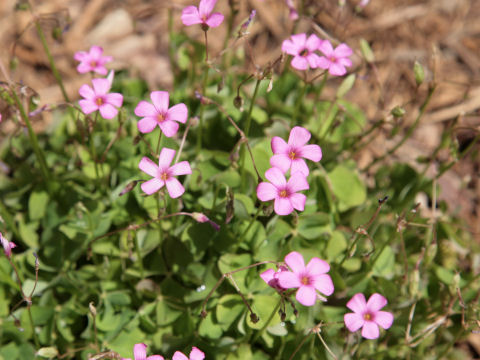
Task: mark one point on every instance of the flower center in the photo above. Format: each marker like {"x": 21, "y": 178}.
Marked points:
{"x": 368, "y": 317}
{"x": 305, "y": 280}
{"x": 99, "y": 101}
{"x": 160, "y": 118}
{"x": 292, "y": 155}
{"x": 333, "y": 59}
{"x": 304, "y": 52}
{"x": 164, "y": 176}
{"x": 283, "y": 193}
{"x": 93, "y": 63}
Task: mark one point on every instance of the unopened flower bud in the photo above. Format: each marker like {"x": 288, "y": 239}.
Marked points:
{"x": 238, "y": 102}
{"x": 398, "y": 112}
{"x": 413, "y": 286}
{"x": 202, "y": 218}
{"x": 419, "y": 73}
{"x": 254, "y": 318}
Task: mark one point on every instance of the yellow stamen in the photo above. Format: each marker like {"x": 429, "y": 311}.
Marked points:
{"x": 367, "y": 316}
{"x": 283, "y": 193}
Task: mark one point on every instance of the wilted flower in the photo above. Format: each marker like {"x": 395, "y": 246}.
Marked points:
{"x": 290, "y": 156}
{"x": 368, "y": 315}
{"x": 308, "y": 279}
{"x": 192, "y": 15}
{"x": 270, "y": 276}
{"x": 202, "y": 218}
{"x": 284, "y": 193}
{"x": 163, "y": 174}
{"x": 334, "y": 60}
{"x": 99, "y": 98}
{"x": 92, "y": 61}
{"x": 7, "y": 245}
{"x": 140, "y": 353}
{"x": 303, "y": 50}
{"x": 160, "y": 114}
{"x": 195, "y": 354}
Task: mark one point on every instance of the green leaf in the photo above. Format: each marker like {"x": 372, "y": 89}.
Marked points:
{"x": 366, "y": 51}
{"x": 345, "y": 86}
{"x": 347, "y": 187}
{"x": 336, "y": 245}
{"x": 314, "y": 226}
{"x": 385, "y": 264}
{"x": 47, "y": 352}
{"x": 37, "y": 205}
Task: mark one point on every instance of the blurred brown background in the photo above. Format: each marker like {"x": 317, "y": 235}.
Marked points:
{"x": 443, "y": 35}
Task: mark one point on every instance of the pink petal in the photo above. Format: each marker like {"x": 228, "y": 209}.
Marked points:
{"x": 337, "y": 70}
{"x": 324, "y": 284}
{"x": 344, "y": 61}
{"x": 299, "y": 165}
{"x": 281, "y": 161}
{"x": 283, "y": 206}
{"x": 288, "y": 280}
{"x": 215, "y": 20}
{"x": 88, "y": 106}
{"x": 84, "y": 67}
{"x": 299, "y": 39}
{"x": 266, "y": 191}
{"x": 178, "y": 112}
{"x": 326, "y": 48}
{"x": 86, "y": 92}
{"x": 343, "y": 50}
{"x": 175, "y": 189}
{"x": 297, "y": 182}
{"x": 181, "y": 168}
{"x": 196, "y": 354}
{"x": 313, "y": 42}
{"x": 169, "y": 127}
{"x": 190, "y": 16}
{"x": 160, "y": 100}
{"x": 357, "y": 303}
{"x": 179, "y": 356}
{"x": 298, "y": 201}
{"x": 145, "y": 109}
{"x": 295, "y": 261}
{"x": 108, "y": 111}
{"x": 291, "y": 48}
{"x": 100, "y": 69}
{"x": 80, "y": 55}
{"x": 276, "y": 177}
{"x": 279, "y": 146}
{"x": 311, "y": 152}
{"x": 299, "y": 63}
{"x": 306, "y": 295}
{"x": 267, "y": 275}
{"x": 370, "y": 330}
{"x": 151, "y": 186}
{"x": 317, "y": 266}
{"x": 353, "y": 321}
{"x": 148, "y": 166}
{"x": 206, "y": 7}
{"x": 376, "y": 302}
{"x": 96, "y": 52}
{"x": 105, "y": 59}
{"x": 140, "y": 351}
{"x": 155, "y": 357}
{"x": 166, "y": 158}
{"x": 147, "y": 124}
{"x": 115, "y": 99}
{"x": 299, "y": 136}
{"x": 384, "y": 319}
{"x": 101, "y": 86}
{"x": 323, "y": 62}
{"x": 313, "y": 60}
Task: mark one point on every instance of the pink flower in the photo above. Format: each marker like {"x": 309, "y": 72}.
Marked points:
{"x": 203, "y": 15}
{"x": 163, "y": 174}
{"x": 293, "y": 14}
{"x": 98, "y": 98}
{"x": 335, "y": 60}
{"x": 195, "y": 354}
{"x": 7, "y": 245}
{"x": 290, "y": 156}
{"x": 302, "y": 50}
{"x": 308, "y": 279}
{"x": 202, "y": 218}
{"x": 140, "y": 353}
{"x": 284, "y": 193}
{"x": 368, "y": 315}
{"x": 270, "y": 276}
{"x": 92, "y": 61}
{"x": 363, "y": 3}
{"x": 160, "y": 114}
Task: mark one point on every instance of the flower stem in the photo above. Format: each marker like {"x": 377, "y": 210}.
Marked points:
{"x": 158, "y": 144}
{"x": 260, "y": 332}
{"x": 299, "y": 102}
{"x": 202, "y": 109}
{"x": 35, "y": 338}
{"x": 56, "y": 74}
{"x": 247, "y": 130}
{"x": 139, "y": 256}
{"x": 250, "y": 224}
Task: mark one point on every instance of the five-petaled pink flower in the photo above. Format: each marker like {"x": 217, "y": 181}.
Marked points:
{"x": 163, "y": 174}
{"x": 92, "y": 61}
{"x": 308, "y": 279}
{"x": 290, "y": 156}
{"x": 192, "y": 15}
{"x": 303, "y": 50}
{"x": 368, "y": 315}
{"x": 99, "y": 98}
{"x": 270, "y": 276}
{"x": 334, "y": 60}
{"x": 160, "y": 114}
{"x": 7, "y": 245}
{"x": 284, "y": 193}
{"x": 195, "y": 354}
{"x": 140, "y": 353}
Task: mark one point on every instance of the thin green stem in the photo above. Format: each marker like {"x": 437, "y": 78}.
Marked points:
{"x": 56, "y": 74}
{"x": 298, "y": 102}
{"x": 250, "y": 225}
{"x": 202, "y": 109}
{"x": 34, "y": 334}
{"x": 267, "y": 323}
{"x": 247, "y": 130}
{"x": 158, "y": 144}
{"x": 139, "y": 256}
{"x": 93, "y": 150}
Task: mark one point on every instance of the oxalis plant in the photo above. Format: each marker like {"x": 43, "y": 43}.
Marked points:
{"x": 225, "y": 218}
